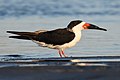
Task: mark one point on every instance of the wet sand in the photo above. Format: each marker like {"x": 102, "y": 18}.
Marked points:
{"x": 59, "y": 73}
{"x": 72, "y": 68}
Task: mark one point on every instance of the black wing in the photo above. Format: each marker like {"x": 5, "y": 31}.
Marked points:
{"x": 56, "y": 37}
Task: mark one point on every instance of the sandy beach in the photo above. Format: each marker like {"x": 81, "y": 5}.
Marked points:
{"x": 85, "y": 68}
{"x": 59, "y": 73}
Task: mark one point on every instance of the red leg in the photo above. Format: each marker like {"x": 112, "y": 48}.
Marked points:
{"x": 64, "y": 54}
{"x": 60, "y": 53}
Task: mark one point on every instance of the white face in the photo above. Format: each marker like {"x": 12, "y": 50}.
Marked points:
{"x": 78, "y": 27}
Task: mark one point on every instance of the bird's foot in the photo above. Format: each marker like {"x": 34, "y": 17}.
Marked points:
{"x": 61, "y": 53}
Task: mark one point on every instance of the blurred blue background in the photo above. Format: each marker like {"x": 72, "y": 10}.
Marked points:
{"x": 31, "y": 15}
{"x": 58, "y": 8}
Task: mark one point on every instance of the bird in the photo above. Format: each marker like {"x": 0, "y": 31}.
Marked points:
{"x": 60, "y": 39}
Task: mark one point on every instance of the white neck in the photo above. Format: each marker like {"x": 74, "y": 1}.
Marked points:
{"x": 78, "y": 27}
{"x": 77, "y": 30}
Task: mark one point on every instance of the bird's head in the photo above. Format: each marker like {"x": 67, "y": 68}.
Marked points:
{"x": 78, "y": 25}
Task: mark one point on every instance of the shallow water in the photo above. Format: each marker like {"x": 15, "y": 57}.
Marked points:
{"x": 32, "y": 15}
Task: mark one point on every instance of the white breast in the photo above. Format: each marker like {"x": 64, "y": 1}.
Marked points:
{"x": 73, "y": 42}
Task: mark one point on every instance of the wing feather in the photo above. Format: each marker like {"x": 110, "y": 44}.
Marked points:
{"x": 56, "y": 37}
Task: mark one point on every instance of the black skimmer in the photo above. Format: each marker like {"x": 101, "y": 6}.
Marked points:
{"x": 59, "y": 39}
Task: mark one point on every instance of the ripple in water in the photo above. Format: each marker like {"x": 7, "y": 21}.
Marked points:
{"x": 17, "y": 8}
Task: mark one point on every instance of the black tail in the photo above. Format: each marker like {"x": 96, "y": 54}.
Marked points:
{"x": 23, "y": 35}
